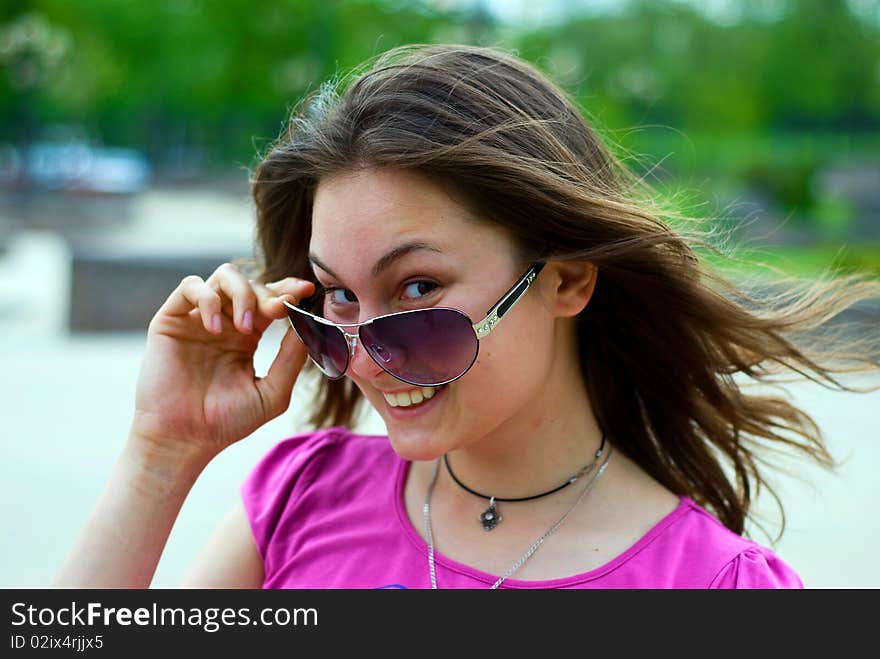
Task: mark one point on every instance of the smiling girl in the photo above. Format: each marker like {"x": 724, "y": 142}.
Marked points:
{"x": 452, "y": 243}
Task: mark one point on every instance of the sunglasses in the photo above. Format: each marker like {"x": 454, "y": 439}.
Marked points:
{"x": 423, "y": 347}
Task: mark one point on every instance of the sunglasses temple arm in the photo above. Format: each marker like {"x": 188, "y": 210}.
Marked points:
{"x": 505, "y": 304}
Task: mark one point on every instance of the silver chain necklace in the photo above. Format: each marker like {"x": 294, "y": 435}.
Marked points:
{"x": 531, "y": 550}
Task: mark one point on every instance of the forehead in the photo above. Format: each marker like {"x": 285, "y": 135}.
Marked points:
{"x": 365, "y": 203}
{"x": 361, "y": 215}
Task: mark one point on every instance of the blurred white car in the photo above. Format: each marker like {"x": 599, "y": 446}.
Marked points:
{"x": 81, "y": 168}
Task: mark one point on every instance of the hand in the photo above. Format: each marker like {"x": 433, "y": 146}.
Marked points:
{"x": 197, "y": 391}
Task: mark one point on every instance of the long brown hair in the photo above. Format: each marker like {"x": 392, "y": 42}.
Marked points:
{"x": 666, "y": 343}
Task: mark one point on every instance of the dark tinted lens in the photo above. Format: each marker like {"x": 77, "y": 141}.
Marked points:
{"x": 326, "y": 345}
{"x": 424, "y": 347}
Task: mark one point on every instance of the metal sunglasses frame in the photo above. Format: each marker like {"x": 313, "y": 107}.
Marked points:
{"x": 482, "y": 329}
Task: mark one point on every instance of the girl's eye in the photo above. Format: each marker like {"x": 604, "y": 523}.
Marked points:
{"x": 339, "y": 296}
{"x": 418, "y": 289}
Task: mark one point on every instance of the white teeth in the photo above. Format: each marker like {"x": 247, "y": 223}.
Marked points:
{"x": 412, "y": 397}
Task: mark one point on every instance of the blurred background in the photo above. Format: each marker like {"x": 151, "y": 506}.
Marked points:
{"x": 128, "y": 130}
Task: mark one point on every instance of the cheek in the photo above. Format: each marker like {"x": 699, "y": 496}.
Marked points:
{"x": 517, "y": 358}
{"x": 375, "y": 399}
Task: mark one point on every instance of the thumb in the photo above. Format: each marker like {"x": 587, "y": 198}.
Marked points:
{"x": 277, "y": 386}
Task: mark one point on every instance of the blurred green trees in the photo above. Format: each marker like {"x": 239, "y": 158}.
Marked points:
{"x": 216, "y": 73}
{"x": 162, "y": 74}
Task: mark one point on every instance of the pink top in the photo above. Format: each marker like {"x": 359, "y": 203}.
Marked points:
{"x": 326, "y": 510}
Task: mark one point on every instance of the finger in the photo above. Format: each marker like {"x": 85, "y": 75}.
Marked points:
{"x": 231, "y": 283}
{"x": 300, "y": 288}
{"x": 194, "y": 293}
{"x": 271, "y": 298}
{"x": 277, "y": 386}
{"x": 270, "y": 306}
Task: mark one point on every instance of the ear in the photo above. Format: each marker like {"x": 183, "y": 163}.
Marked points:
{"x": 569, "y": 285}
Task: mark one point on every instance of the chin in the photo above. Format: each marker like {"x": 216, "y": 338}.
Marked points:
{"x": 415, "y": 445}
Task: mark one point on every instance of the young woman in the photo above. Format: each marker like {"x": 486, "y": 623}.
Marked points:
{"x": 451, "y": 241}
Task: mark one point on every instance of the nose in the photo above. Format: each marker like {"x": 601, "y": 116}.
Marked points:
{"x": 361, "y": 365}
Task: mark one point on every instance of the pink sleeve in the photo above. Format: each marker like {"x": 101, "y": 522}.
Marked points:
{"x": 757, "y": 567}
{"x": 273, "y": 484}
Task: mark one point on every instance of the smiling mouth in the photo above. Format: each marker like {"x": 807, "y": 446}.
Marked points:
{"x": 412, "y": 397}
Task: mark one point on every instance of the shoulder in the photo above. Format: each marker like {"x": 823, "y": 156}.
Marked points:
{"x": 319, "y": 450}
{"x": 757, "y": 567}
{"x": 307, "y": 471}
{"x": 691, "y": 549}
{"x": 333, "y": 454}
{"x": 726, "y": 559}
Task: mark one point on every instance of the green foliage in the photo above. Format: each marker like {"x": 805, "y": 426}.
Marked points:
{"x": 217, "y": 73}
{"x": 214, "y": 74}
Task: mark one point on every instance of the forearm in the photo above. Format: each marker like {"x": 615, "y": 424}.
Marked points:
{"x": 125, "y": 535}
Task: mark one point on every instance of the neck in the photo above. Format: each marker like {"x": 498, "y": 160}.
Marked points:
{"x": 535, "y": 450}
{"x": 590, "y": 466}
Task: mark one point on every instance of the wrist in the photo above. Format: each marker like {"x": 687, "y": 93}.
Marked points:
{"x": 158, "y": 467}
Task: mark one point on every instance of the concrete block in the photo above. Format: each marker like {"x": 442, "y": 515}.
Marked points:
{"x": 119, "y": 290}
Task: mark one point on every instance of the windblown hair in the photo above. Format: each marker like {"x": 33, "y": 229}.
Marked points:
{"x": 666, "y": 344}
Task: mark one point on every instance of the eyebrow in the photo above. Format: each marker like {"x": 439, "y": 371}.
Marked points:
{"x": 387, "y": 260}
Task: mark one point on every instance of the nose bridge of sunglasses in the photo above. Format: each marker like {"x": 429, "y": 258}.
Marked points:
{"x": 351, "y": 339}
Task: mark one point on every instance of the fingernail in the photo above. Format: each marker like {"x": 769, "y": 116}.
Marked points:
{"x": 216, "y": 323}
{"x": 247, "y": 319}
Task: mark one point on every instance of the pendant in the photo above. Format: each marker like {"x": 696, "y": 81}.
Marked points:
{"x": 490, "y": 517}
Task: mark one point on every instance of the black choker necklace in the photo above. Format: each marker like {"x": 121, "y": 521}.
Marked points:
{"x": 490, "y": 518}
